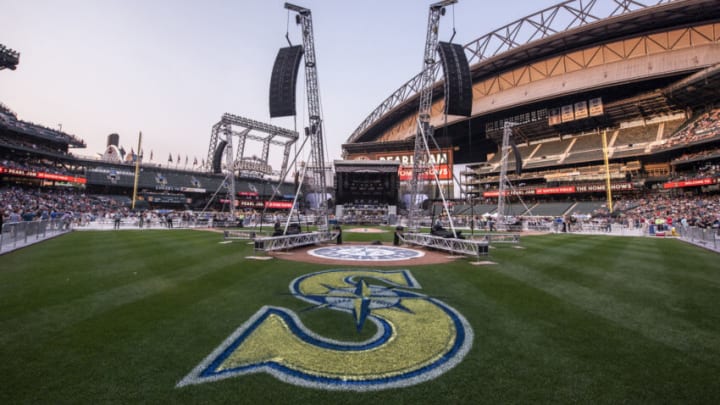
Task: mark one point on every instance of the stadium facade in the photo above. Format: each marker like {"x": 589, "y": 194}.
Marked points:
{"x": 646, "y": 76}
{"x": 37, "y": 156}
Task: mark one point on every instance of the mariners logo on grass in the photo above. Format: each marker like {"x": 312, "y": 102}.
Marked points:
{"x": 418, "y": 337}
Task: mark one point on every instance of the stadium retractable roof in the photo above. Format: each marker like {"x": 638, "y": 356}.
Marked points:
{"x": 572, "y": 24}
{"x": 700, "y": 88}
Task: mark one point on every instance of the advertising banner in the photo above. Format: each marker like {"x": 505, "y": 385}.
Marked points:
{"x": 690, "y": 183}
{"x": 596, "y": 107}
{"x": 42, "y": 175}
{"x": 585, "y": 188}
{"x": 581, "y": 110}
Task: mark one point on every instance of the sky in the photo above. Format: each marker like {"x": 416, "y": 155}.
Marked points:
{"x": 170, "y": 69}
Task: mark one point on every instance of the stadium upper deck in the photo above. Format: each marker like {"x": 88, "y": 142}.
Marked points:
{"x": 639, "y": 60}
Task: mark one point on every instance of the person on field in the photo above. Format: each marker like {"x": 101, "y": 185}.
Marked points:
{"x": 116, "y": 220}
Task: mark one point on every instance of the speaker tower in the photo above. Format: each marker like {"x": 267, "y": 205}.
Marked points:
{"x": 458, "y": 84}
{"x": 217, "y": 156}
{"x": 283, "y": 81}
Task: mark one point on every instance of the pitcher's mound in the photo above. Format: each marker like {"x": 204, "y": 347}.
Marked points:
{"x": 364, "y": 255}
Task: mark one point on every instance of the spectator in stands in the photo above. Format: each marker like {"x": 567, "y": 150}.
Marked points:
{"x": 15, "y": 216}
{"x": 67, "y": 220}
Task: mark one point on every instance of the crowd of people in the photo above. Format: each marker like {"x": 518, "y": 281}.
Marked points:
{"x": 702, "y": 170}
{"x": 75, "y": 208}
{"x": 699, "y": 211}
{"x": 34, "y": 165}
{"x": 24, "y": 204}
{"x": 9, "y": 119}
{"x": 705, "y": 126}
{"x": 32, "y": 204}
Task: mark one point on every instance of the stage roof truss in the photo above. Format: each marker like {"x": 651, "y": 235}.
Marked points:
{"x": 247, "y": 161}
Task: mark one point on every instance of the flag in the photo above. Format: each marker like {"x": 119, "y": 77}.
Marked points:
{"x": 170, "y": 158}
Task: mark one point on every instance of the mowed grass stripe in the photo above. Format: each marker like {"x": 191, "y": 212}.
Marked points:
{"x": 540, "y": 347}
{"x": 78, "y": 297}
{"x": 629, "y": 307}
{"x": 609, "y": 272}
{"x": 94, "y": 268}
{"x": 61, "y": 315}
{"x": 117, "y": 317}
{"x": 556, "y": 349}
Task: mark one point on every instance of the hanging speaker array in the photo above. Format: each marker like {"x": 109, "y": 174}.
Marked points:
{"x": 458, "y": 83}
{"x": 518, "y": 158}
{"x": 217, "y": 156}
{"x": 283, "y": 81}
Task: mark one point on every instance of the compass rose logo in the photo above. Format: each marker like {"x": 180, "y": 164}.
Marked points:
{"x": 366, "y": 253}
{"x": 361, "y": 299}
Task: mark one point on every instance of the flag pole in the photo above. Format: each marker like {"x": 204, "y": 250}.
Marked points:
{"x": 137, "y": 170}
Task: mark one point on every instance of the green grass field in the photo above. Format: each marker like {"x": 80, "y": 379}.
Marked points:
{"x": 121, "y": 317}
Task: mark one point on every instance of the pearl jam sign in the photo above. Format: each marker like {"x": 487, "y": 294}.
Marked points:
{"x": 441, "y": 160}
{"x": 41, "y": 175}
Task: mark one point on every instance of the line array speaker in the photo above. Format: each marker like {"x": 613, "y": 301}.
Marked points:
{"x": 518, "y": 158}
{"x": 458, "y": 84}
{"x": 283, "y": 80}
{"x": 217, "y": 157}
